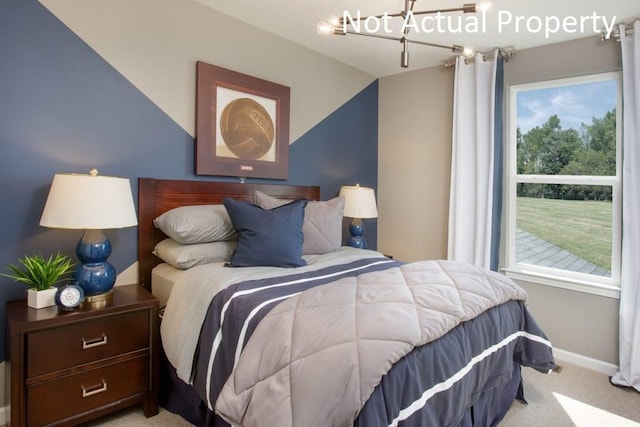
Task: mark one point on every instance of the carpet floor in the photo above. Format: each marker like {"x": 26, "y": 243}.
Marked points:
{"x": 573, "y": 397}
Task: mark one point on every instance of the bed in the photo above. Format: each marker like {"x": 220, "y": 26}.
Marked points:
{"x": 336, "y": 336}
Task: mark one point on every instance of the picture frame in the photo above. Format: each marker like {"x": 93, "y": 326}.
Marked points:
{"x": 242, "y": 125}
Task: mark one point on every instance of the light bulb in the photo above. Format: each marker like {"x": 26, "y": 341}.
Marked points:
{"x": 483, "y": 6}
{"x": 324, "y": 27}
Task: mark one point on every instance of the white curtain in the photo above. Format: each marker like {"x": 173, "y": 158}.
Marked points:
{"x": 472, "y": 168}
{"x": 629, "y": 374}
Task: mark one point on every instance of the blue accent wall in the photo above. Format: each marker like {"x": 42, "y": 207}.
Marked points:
{"x": 342, "y": 150}
{"x": 65, "y": 109}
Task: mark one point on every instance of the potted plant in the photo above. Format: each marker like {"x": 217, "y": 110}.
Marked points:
{"x": 40, "y": 274}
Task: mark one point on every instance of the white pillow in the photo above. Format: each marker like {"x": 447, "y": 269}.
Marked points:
{"x": 197, "y": 224}
{"x": 187, "y": 256}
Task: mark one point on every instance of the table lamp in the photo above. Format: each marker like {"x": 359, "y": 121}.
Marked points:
{"x": 359, "y": 202}
{"x": 92, "y": 202}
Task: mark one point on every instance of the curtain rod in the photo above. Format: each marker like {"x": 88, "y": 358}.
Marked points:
{"x": 505, "y": 53}
{"x": 615, "y": 34}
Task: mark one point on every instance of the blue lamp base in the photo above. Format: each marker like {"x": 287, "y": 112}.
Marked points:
{"x": 95, "y": 275}
{"x": 356, "y": 229}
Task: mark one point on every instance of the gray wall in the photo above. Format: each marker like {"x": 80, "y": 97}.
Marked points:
{"x": 414, "y": 163}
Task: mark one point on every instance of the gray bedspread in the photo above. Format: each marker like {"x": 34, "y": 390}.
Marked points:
{"x": 189, "y": 300}
{"x": 316, "y": 357}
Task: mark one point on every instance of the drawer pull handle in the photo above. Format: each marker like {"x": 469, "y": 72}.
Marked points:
{"x": 90, "y": 391}
{"x": 94, "y": 342}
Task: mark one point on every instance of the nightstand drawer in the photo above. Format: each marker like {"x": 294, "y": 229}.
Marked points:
{"x": 74, "y": 345}
{"x": 55, "y": 400}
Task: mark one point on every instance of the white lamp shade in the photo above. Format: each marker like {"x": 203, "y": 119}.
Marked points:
{"x": 89, "y": 202}
{"x": 359, "y": 202}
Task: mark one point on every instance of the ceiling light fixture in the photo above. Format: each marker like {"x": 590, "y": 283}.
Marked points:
{"x": 348, "y": 24}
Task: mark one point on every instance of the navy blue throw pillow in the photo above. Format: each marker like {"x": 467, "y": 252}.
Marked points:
{"x": 267, "y": 237}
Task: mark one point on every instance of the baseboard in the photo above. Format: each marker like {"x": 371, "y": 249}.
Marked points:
{"x": 3, "y": 415}
{"x": 585, "y": 362}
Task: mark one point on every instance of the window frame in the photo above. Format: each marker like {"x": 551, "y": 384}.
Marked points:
{"x": 603, "y": 286}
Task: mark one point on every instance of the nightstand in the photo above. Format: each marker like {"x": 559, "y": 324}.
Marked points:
{"x": 71, "y": 367}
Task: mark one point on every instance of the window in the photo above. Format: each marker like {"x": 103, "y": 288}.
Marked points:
{"x": 563, "y": 183}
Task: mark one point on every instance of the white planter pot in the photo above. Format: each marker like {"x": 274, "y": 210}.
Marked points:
{"x": 41, "y": 299}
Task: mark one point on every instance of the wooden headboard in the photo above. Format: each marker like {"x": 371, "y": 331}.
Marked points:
{"x": 156, "y": 196}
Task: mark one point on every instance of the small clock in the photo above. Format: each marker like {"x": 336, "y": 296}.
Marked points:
{"x": 69, "y": 296}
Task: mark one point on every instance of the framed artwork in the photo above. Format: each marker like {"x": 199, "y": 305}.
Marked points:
{"x": 242, "y": 125}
